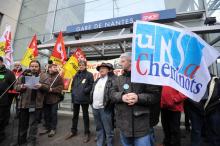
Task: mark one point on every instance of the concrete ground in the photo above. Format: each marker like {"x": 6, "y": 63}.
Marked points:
{"x": 63, "y": 127}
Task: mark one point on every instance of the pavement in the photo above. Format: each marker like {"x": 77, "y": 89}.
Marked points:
{"x": 64, "y": 126}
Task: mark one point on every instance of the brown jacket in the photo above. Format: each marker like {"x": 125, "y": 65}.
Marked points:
{"x": 26, "y": 93}
{"x": 57, "y": 87}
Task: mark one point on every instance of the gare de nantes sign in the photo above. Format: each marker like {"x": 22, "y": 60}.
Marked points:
{"x": 122, "y": 21}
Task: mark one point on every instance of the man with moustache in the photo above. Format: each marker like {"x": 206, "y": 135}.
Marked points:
{"x": 30, "y": 105}
{"x": 102, "y": 107}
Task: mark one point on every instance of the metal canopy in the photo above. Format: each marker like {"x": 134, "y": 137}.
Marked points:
{"x": 213, "y": 5}
{"x": 107, "y": 45}
{"x": 97, "y": 46}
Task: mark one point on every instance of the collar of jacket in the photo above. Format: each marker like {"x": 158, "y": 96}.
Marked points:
{"x": 102, "y": 77}
{"x": 53, "y": 74}
{"x": 111, "y": 73}
{"x": 2, "y": 69}
{"x": 126, "y": 73}
{"x": 36, "y": 75}
{"x": 82, "y": 72}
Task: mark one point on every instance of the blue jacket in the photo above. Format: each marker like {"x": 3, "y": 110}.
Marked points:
{"x": 81, "y": 87}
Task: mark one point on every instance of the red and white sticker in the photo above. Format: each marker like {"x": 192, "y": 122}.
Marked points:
{"x": 150, "y": 16}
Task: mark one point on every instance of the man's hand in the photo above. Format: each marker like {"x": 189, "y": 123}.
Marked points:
{"x": 37, "y": 86}
{"x": 125, "y": 98}
{"x": 23, "y": 86}
{"x": 132, "y": 98}
{"x": 50, "y": 90}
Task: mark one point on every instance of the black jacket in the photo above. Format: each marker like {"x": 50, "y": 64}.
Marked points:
{"x": 81, "y": 87}
{"x": 215, "y": 98}
{"x": 7, "y": 77}
{"x": 137, "y": 119}
{"x": 213, "y": 103}
{"x": 108, "y": 105}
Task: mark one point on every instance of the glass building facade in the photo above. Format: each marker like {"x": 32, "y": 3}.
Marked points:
{"x": 44, "y": 17}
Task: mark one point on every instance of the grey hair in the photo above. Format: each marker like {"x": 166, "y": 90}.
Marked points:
{"x": 126, "y": 54}
{"x": 17, "y": 62}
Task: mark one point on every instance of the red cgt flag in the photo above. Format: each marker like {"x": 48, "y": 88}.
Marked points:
{"x": 8, "y": 50}
{"x": 79, "y": 54}
{"x": 58, "y": 55}
{"x": 33, "y": 46}
{"x": 31, "y": 52}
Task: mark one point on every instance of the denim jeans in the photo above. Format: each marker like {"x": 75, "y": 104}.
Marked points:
{"x": 50, "y": 113}
{"x": 104, "y": 126}
{"x": 147, "y": 140}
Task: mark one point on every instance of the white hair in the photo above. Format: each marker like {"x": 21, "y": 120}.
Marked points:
{"x": 126, "y": 54}
{"x": 17, "y": 62}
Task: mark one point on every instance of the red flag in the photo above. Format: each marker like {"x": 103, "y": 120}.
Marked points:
{"x": 71, "y": 67}
{"x": 79, "y": 54}
{"x": 59, "y": 52}
{"x": 33, "y": 46}
{"x": 31, "y": 52}
{"x": 8, "y": 50}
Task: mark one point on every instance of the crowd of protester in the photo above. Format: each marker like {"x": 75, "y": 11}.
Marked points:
{"x": 133, "y": 108}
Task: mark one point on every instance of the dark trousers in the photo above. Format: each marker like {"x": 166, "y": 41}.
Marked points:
{"x": 3, "y": 121}
{"x": 16, "y": 104}
{"x": 198, "y": 122}
{"x": 50, "y": 114}
{"x": 28, "y": 120}
{"x": 208, "y": 124}
{"x": 76, "y": 109}
{"x": 186, "y": 112}
{"x": 171, "y": 126}
{"x": 8, "y": 112}
{"x": 213, "y": 126}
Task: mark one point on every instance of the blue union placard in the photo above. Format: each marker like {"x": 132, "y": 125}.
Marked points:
{"x": 170, "y": 56}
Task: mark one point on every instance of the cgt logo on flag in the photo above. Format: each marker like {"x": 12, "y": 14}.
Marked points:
{"x": 165, "y": 55}
{"x": 58, "y": 55}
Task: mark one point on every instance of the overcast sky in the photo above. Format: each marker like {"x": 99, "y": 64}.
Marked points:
{"x": 103, "y": 9}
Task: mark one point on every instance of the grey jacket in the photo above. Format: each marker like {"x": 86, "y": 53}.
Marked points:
{"x": 136, "y": 120}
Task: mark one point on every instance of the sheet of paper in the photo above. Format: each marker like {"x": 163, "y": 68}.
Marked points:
{"x": 31, "y": 81}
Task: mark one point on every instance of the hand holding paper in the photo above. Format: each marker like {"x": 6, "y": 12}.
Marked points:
{"x": 32, "y": 82}
{"x": 37, "y": 86}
